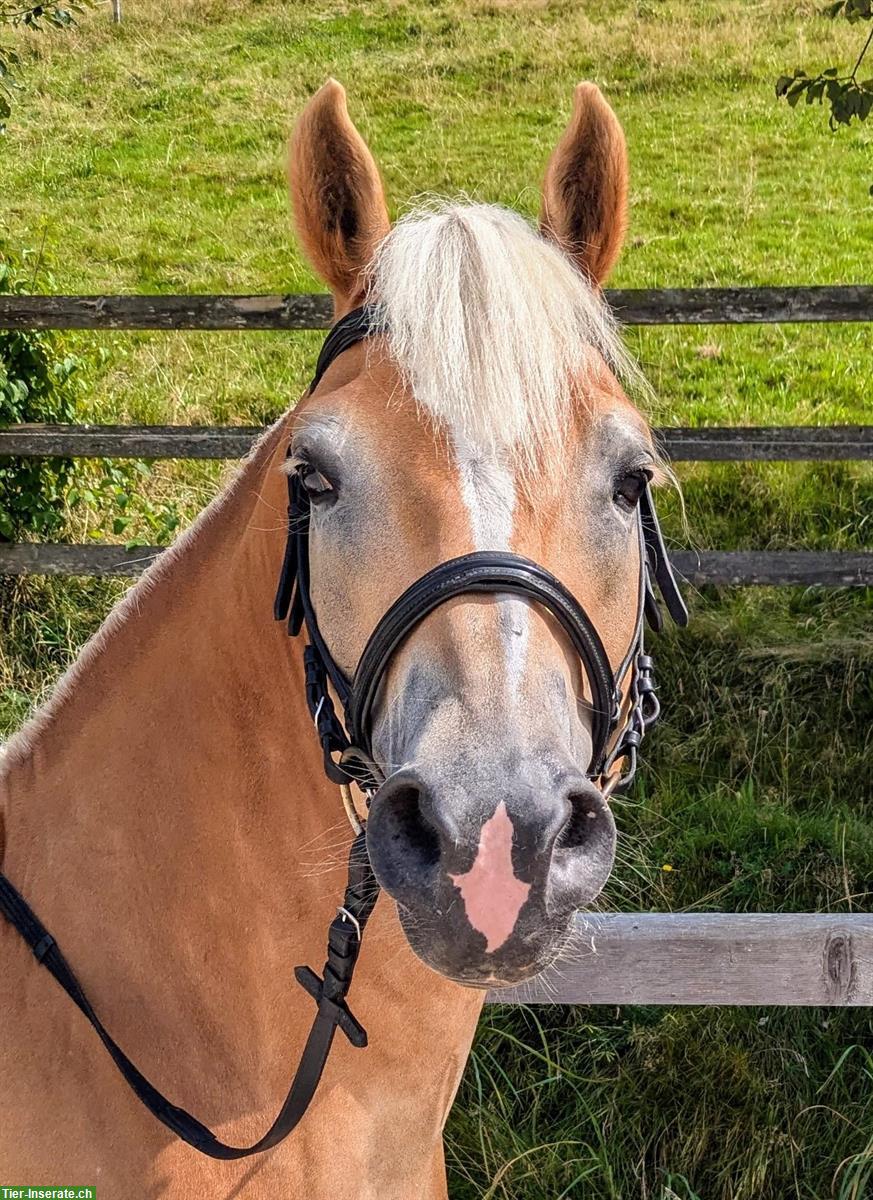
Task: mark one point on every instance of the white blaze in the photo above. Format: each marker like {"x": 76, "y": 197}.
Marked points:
{"x": 488, "y": 492}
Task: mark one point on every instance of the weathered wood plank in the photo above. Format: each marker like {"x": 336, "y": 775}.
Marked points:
{"x": 741, "y": 306}
{"x": 728, "y": 444}
{"x": 765, "y": 568}
{"x": 800, "y": 959}
{"x": 644, "y": 306}
{"x": 777, "y": 443}
{"x": 42, "y": 558}
{"x": 128, "y": 441}
{"x": 726, "y": 568}
{"x": 166, "y": 312}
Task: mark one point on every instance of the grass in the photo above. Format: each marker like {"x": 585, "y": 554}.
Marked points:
{"x": 148, "y": 157}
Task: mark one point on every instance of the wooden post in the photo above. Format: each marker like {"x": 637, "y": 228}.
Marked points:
{"x": 116, "y": 11}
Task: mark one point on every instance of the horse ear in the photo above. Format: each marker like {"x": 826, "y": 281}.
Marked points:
{"x": 584, "y": 205}
{"x": 337, "y": 195}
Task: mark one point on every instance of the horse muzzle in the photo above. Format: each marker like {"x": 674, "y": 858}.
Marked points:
{"x": 486, "y": 878}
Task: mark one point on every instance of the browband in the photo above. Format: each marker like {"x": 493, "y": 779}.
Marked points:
{"x": 357, "y": 325}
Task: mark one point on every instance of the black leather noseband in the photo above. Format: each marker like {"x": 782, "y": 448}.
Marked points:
{"x": 471, "y": 574}
{"x": 618, "y": 725}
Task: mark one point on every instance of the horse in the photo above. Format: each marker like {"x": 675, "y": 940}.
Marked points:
{"x": 166, "y": 812}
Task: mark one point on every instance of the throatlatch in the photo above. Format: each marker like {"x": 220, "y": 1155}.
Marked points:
{"x": 348, "y": 753}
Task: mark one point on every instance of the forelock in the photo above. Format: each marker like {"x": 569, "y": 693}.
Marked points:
{"x": 492, "y": 326}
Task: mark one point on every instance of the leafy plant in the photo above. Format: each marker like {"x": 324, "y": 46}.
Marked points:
{"x": 41, "y": 381}
{"x": 32, "y": 16}
{"x": 849, "y": 97}
{"x": 112, "y": 493}
{"x": 38, "y": 382}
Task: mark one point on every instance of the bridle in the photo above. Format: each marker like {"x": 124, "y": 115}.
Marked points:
{"x": 348, "y": 752}
{"x": 614, "y": 739}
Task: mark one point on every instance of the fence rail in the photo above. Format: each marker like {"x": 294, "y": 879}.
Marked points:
{"x": 633, "y": 306}
{"x": 738, "y": 444}
{"x": 726, "y": 568}
{"x": 800, "y": 959}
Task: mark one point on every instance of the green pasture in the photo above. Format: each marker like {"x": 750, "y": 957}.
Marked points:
{"x": 149, "y": 157}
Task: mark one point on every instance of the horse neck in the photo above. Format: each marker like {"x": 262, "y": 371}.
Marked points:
{"x": 173, "y": 784}
{"x": 168, "y": 819}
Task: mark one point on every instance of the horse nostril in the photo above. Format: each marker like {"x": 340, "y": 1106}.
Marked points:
{"x": 583, "y": 852}
{"x": 589, "y": 820}
{"x": 408, "y": 843}
{"x": 412, "y": 827}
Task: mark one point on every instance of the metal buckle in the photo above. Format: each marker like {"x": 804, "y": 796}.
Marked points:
{"x": 349, "y": 806}
{"x": 343, "y": 912}
{"x": 619, "y": 779}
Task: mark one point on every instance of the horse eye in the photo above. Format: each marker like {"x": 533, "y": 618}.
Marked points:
{"x": 317, "y": 486}
{"x": 629, "y": 488}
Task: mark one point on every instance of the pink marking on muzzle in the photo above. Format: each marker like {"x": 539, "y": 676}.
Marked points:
{"x": 492, "y": 895}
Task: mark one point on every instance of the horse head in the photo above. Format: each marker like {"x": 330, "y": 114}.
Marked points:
{"x": 484, "y": 413}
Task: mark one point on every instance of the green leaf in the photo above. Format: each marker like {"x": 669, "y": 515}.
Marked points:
{"x": 782, "y": 84}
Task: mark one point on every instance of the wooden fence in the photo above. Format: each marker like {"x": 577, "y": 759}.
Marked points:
{"x": 692, "y": 306}
{"x": 639, "y": 958}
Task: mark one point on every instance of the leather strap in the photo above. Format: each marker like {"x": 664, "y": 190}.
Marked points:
{"x": 329, "y": 992}
{"x": 293, "y": 604}
{"x": 659, "y": 560}
{"x": 357, "y": 325}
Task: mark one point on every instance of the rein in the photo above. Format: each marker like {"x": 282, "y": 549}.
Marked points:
{"x": 348, "y": 753}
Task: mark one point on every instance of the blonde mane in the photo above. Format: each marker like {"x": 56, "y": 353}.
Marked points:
{"x": 491, "y": 323}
